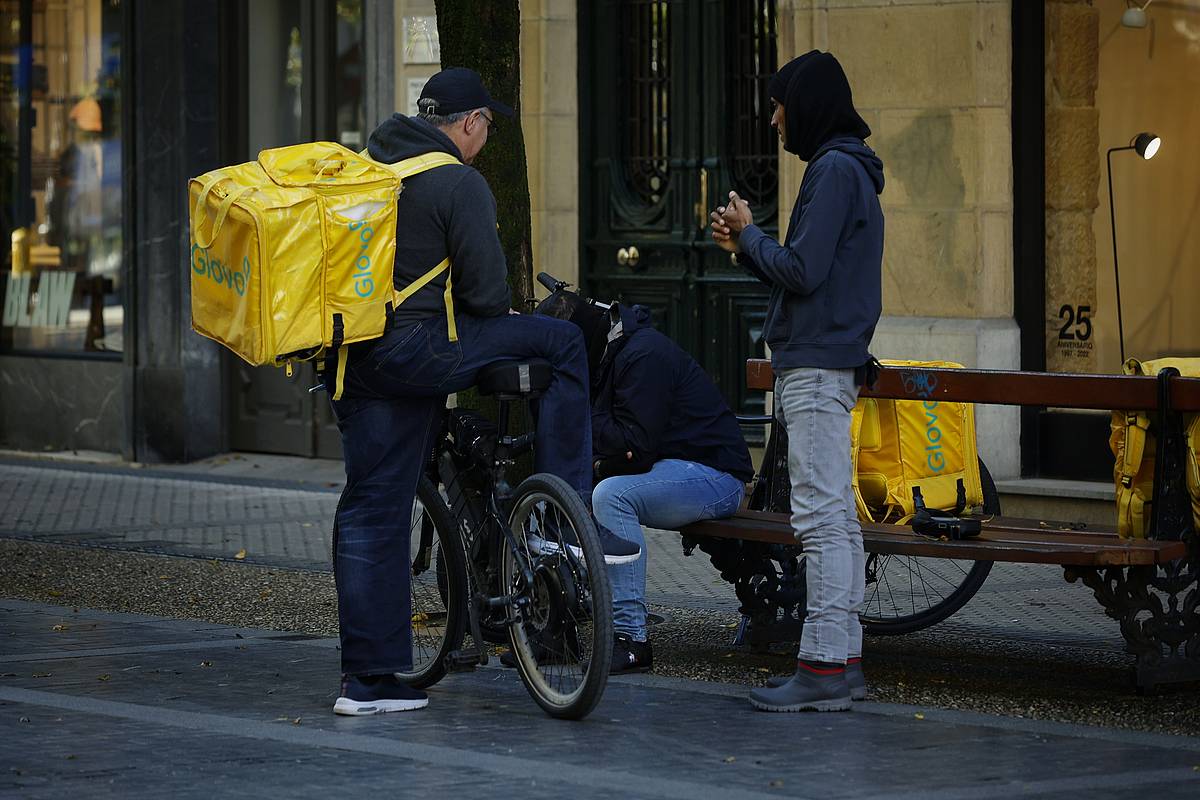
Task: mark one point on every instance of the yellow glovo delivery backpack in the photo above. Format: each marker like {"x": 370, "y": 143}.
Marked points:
{"x": 292, "y": 254}
{"x": 1134, "y": 449}
{"x": 899, "y": 444}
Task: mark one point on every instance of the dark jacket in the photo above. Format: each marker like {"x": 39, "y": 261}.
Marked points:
{"x": 651, "y": 398}
{"x": 447, "y": 211}
{"x": 826, "y": 292}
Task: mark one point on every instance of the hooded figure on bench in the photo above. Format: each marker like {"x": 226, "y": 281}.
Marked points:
{"x": 667, "y": 451}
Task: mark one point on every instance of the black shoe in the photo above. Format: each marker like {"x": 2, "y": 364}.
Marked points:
{"x": 854, "y": 679}
{"x": 630, "y": 656}
{"x": 810, "y": 689}
{"x": 616, "y": 550}
{"x": 377, "y": 694}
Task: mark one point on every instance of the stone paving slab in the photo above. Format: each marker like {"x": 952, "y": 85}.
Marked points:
{"x": 114, "y": 713}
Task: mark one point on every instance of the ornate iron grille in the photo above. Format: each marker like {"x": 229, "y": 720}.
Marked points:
{"x": 753, "y": 145}
{"x": 645, "y": 61}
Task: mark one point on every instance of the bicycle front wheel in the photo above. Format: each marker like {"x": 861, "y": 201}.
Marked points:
{"x": 438, "y": 586}
{"x": 561, "y": 628}
{"x": 910, "y": 593}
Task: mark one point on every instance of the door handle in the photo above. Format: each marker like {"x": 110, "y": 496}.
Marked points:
{"x": 628, "y": 256}
{"x": 702, "y": 203}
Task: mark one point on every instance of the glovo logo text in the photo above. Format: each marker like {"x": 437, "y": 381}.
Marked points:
{"x": 934, "y": 457}
{"x": 219, "y": 272}
{"x": 364, "y": 284}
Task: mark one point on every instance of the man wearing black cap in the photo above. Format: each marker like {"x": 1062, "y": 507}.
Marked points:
{"x": 825, "y": 301}
{"x": 395, "y": 387}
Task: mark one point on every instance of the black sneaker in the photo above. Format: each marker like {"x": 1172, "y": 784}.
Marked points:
{"x": 616, "y": 550}
{"x": 377, "y": 694}
{"x": 810, "y": 689}
{"x": 854, "y": 679}
{"x": 630, "y": 656}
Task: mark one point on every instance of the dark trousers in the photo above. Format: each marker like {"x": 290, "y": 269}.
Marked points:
{"x": 395, "y": 390}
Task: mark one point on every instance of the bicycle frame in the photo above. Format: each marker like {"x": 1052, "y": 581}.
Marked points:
{"x": 458, "y": 464}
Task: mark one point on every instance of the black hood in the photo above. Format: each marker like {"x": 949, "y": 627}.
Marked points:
{"x": 817, "y": 103}
{"x": 594, "y": 322}
{"x": 401, "y": 137}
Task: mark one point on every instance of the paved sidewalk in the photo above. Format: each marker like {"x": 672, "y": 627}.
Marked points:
{"x": 278, "y": 510}
{"x": 113, "y": 705}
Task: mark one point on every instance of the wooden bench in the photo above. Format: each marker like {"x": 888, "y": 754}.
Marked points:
{"x": 1149, "y": 585}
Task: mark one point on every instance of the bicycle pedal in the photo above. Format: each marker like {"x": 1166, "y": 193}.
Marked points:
{"x": 465, "y": 660}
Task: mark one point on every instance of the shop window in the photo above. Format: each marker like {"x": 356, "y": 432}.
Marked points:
{"x": 61, "y": 185}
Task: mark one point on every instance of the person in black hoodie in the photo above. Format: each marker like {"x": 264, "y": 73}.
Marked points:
{"x": 667, "y": 451}
{"x": 452, "y": 322}
{"x": 825, "y": 301}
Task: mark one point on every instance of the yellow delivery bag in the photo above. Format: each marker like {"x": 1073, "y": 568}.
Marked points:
{"x": 1134, "y": 446}
{"x": 292, "y": 254}
{"x": 899, "y": 444}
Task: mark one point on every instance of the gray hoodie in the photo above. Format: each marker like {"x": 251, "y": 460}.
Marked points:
{"x": 447, "y": 211}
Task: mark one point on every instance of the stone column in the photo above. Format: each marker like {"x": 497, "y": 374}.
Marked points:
{"x": 1072, "y": 178}
{"x": 176, "y": 374}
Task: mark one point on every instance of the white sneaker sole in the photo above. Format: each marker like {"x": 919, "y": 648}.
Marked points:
{"x": 359, "y": 708}
{"x": 541, "y": 547}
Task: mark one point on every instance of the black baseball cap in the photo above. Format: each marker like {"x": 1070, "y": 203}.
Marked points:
{"x": 457, "y": 89}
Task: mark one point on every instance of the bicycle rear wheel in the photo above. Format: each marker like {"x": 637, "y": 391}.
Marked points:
{"x": 909, "y": 593}
{"x": 438, "y": 585}
{"x": 561, "y": 633}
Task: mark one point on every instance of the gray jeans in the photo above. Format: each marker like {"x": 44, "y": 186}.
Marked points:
{"x": 815, "y": 406}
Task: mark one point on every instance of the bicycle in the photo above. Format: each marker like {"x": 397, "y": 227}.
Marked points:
{"x": 523, "y": 565}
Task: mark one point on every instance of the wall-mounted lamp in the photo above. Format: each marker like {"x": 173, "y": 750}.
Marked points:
{"x": 1135, "y": 15}
{"x": 1145, "y": 145}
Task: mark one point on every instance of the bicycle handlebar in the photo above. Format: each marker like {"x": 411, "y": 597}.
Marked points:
{"x": 550, "y": 282}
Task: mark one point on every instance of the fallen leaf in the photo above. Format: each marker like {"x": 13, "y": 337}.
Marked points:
{"x": 730, "y": 759}
{"x": 55, "y": 593}
{"x": 59, "y": 628}
{"x": 264, "y": 594}
{"x": 919, "y": 715}
{"x": 206, "y": 663}
{"x": 296, "y": 721}
{"x": 240, "y": 554}
{"x": 764, "y": 669}
{"x": 776, "y": 784}
{"x": 104, "y": 677}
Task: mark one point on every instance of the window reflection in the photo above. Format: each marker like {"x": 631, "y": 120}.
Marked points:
{"x": 61, "y": 151}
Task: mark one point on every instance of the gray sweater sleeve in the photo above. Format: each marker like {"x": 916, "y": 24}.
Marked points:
{"x": 478, "y": 268}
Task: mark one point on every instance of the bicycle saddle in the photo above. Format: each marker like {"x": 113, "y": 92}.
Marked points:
{"x": 529, "y": 377}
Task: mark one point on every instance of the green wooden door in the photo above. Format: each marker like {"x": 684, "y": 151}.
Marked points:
{"x": 674, "y": 115}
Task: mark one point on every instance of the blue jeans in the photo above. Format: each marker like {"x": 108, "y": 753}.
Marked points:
{"x": 814, "y": 405}
{"x": 672, "y": 494}
{"x": 390, "y": 412}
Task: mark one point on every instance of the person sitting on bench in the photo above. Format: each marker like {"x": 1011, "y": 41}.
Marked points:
{"x": 667, "y": 451}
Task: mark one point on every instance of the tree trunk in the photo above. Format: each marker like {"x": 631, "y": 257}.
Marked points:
{"x": 487, "y": 38}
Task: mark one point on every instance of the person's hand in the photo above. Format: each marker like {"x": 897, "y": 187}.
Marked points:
{"x": 737, "y": 214}
{"x": 729, "y": 221}
{"x": 721, "y": 233}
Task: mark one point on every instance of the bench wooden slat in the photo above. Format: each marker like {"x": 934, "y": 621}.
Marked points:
{"x": 1019, "y": 543}
{"x": 1002, "y": 387}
